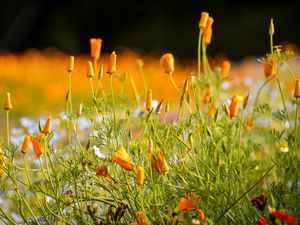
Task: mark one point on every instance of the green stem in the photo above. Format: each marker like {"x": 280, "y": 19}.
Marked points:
{"x": 173, "y": 82}
{"x": 283, "y": 100}
{"x": 296, "y": 123}
{"x": 137, "y": 98}
{"x": 113, "y": 99}
{"x": 258, "y": 94}
{"x": 199, "y": 54}
{"x": 92, "y": 88}
{"x": 7, "y": 127}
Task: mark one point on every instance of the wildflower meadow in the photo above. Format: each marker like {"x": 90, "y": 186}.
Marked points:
{"x": 153, "y": 147}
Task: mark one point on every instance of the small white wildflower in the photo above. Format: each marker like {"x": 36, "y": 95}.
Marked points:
{"x": 284, "y": 149}
{"x": 98, "y": 153}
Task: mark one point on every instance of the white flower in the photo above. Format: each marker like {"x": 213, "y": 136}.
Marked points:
{"x": 284, "y": 149}
{"x": 98, "y": 153}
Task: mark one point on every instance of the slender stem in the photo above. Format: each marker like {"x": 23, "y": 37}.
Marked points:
{"x": 243, "y": 195}
{"x": 199, "y": 54}
{"x": 7, "y": 127}
{"x": 296, "y": 123}
{"x": 137, "y": 98}
{"x": 141, "y": 69}
{"x": 113, "y": 99}
{"x": 70, "y": 91}
{"x": 92, "y": 88}
{"x": 258, "y": 94}
{"x": 173, "y": 82}
{"x": 283, "y": 100}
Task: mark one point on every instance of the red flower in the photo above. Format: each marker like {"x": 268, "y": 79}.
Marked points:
{"x": 284, "y": 216}
{"x": 261, "y": 221}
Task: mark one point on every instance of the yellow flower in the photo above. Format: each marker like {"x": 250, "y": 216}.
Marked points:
{"x": 47, "y": 127}
{"x": 90, "y": 70}
{"x": 141, "y": 218}
{"x": 37, "y": 147}
{"x": 95, "y": 48}
{"x": 234, "y": 105}
{"x": 123, "y": 159}
{"x": 112, "y": 63}
{"x": 7, "y": 103}
{"x": 140, "y": 175}
{"x": 149, "y": 100}
{"x": 167, "y": 62}
{"x": 297, "y": 89}
{"x": 203, "y": 20}
{"x": 25, "y": 146}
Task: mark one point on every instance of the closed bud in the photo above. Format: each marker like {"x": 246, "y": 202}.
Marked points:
{"x": 186, "y": 86}
{"x": 159, "y": 107}
{"x": 208, "y": 36}
{"x": 140, "y": 175}
{"x": 7, "y": 103}
{"x": 90, "y": 70}
{"x": 79, "y": 110}
{"x": 47, "y": 127}
{"x": 112, "y": 66}
{"x": 271, "y": 28}
{"x": 150, "y": 145}
{"x": 167, "y": 108}
{"x": 167, "y": 62}
{"x": 71, "y": 64}
{"x": 246, "y": 100}
{"x": 203, "y": 20}
{"x": 234, "y": 105}
{"x": 226, "y": 109}
{"x": 209, "y": 24}
{"x": 25, "y": 145}
{"x": 297, "y": 89}
{"x": 37, "y": 147}
{"x": 225, "y": 68}
{"x": 95, "y": 45}
{"x": 149, "y": 100}
{"x": 269, "y": 67}
{"x": 141, "y": 218}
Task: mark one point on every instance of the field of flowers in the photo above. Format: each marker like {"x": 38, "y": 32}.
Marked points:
{"x": 146, "y": 140}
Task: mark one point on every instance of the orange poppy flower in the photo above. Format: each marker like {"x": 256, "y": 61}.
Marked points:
{"x": 123, "y": 159}
{"x": 112, "y": 66}
{"x": 234, "y": 106}
{"x": 141, "y": 218}
{"x": 269, "y": 67}
{"x": 167, "y": 62}
{"x": 37, "y": 147}
{"x": 158, "y": 163}
{"x": 7, "y": 103}
{"x": 25, "y": 145}
{"x": 102, "y": 171}
{"x": 249, "y": 124}
{"x": 185, "y": 205}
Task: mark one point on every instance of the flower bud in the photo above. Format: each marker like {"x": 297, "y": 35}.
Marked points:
{"x": 167, "y": 62}
{"x": 112, "y": 63}
{"x": 71, "y": 64}
{"x": 90, "y": 70}
{"x": 203, "y": 20}
{"x": 25, "y": 145}
{"x": 7, "y": 103}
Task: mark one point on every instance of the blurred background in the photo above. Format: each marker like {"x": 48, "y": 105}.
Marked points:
{"x": 240, "y": 28}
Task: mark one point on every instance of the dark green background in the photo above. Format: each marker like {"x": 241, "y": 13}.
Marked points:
{"x": 157, "y": 26}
